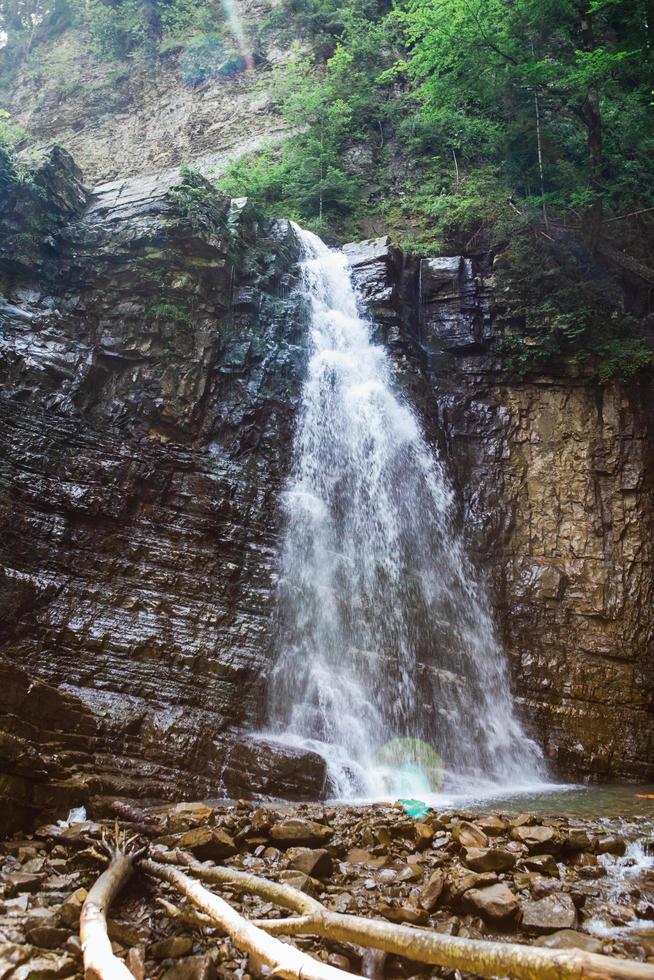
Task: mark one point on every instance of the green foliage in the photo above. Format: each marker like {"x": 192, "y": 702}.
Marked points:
{"x": 10, "y": 132}
{"x": 171, "y": 313}
{"x": 561, "y": 307}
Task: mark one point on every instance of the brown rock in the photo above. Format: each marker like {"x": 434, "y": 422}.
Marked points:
{"x": 208, "y": 843}
{"x": 313, "y": 861}
{"x": 191, "y": 968}
{"x": 301, "y": 832}
{"x": 423, "y": 835}
{"x": 549, "y": 914}
{"x": 20, "y": 882}
{"x": 170, "y": 948}
{"x": 488, "y": 859}
{"x": 47, "y": 966}
{"x": 460, "y": 881}
{"x": 72, "y": 907}
{"x": 135, "y": 962}
{"x": 186, "y": 816}
{"x": 468, "y": 835}
{"x": 611, "y": 845}
{"x": 491, "y": 825}
{"x": 576, "y": 839}
{"x": 406, "y": 915}
{"x": 47, "y": 937}
{"x": 496, "y": 903}
{"x": 543, "y": 863}
{"x": 536, "y": 838}
{"x": 339, "y": 961}
{"x": 296, "y": 879}
{"x": 570, "y": 939}
{"x": 432, "y": 891}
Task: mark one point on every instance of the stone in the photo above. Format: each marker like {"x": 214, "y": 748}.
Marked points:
{"x": 296, "y": 879}
{"x": 256, "y": 767}
{"x": 19, "y": 882}
{"x": 135, "y": 962}
{"x": 171, "y": 948}
{"x": 549, "y": 914}
{"x": 46, "y": 966}
{"x": 339, "y": 961}
{"x": 611, "y": 845}
{"x": 496, "y": 903}
{"x": 300, "y": 832}
{"x": 460, "y": 881}
{"x": 491, "y": 825}
{"x": 47, "y": 937}
{"x": 405, "y": 915}
{"x": 570, "y": 939}
{"x": 72, "y": 906}
{"x": 536, "y": 838}
{"x": 208, "y": 843}
{"x": 186, "y": 816}
{"x": 316, "y": 861}
{"x": 488, "y": 859}
{"x": 468, "y": 835}
{"x": 432, "y": 891}
{"x": 543, "y": 863}
{"x": 191, "y": 968}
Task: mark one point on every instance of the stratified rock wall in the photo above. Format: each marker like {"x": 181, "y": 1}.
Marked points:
{"x": 556, "y": 478}
{"x": 150, "y": 370}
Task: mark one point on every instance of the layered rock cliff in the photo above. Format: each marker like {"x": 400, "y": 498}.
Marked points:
{"x": 152, "y": 354}
{"x": 555, "y": 476}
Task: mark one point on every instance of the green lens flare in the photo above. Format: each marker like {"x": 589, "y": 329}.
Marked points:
{"x": 417, "y": 760}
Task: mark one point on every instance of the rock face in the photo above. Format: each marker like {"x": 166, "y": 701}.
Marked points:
{"x": 152, "y": 352}
{"x": 151, "y": 361}
{"x": 556, "y": 478}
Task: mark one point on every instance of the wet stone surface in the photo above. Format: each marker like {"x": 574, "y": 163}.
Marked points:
{"x": 371, "y": 861}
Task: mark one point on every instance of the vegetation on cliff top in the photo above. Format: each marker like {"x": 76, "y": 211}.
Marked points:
{"x": 466, "y": 125}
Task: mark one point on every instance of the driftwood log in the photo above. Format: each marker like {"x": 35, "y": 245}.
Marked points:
{"x": 99, "y": 960}
{"x": 485, "y": 958}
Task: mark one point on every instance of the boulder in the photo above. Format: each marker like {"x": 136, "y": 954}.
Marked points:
{"x": 497, "y": 903}
{"x": 537, "y": 839}
{"x": 186, "y": 816}
{"x": 543, "y": 863}
{"x": 171, "y": 948}
{"x": 468, "y": 835}
{"x": 488, "y": 859}
{"x": 432, "y": 891}
{"x": 570, "y": 939}
{"x": 549, "y": 914}
{"x": 192, "y": 968}
{"x": 258, "y": 767}
{"x": 208, "y": 843}
{"x": 313, "y": 861}
{"x": 300, "y": 832}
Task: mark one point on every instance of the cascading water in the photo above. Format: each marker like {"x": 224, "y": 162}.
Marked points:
{"x": 387, "y": 655}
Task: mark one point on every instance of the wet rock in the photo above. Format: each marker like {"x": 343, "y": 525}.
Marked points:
{"x": 536, "y": 838}
{"x": 296, "y": 879}
{"x": 21, "y": 882}
{"x": 171, "y": 948}
{"x": 72, "y": 907}
{"x": 47, "y": 937}
{"x": 611, "y": 845}
{"x": 496, "y": 903}
{"x": 186, "y": 816}
{"x": 135, "y": 962}
{"x": 191, "y": 968}
{"x": 491, "y": 825}
{"x": 208, "y": 843}
{"x": 256, "y": 767}
{"x": 460, "y": 881}
{"x": 468, "y": 835}
{"x": 543, "y": 863}
{"x": 432, "y": 891}
{"x": 46, "y": 966}
{"x": 316, "y": 862}
{"x": 488, "y": 859}
{"x": 549, "y": 914}
{"x": 405, "y": 915}
{"x": 373, "y": 962}
{"x": 300, "y": 832}
{"x": 570, "y": 939}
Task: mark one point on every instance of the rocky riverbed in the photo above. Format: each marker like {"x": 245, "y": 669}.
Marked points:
{"x": 559, "y": 882}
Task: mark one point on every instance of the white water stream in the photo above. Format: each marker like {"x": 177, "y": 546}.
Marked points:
{"x": 385, "y": 633}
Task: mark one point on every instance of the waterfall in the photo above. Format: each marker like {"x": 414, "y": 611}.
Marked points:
{"x": 388, "y": 662}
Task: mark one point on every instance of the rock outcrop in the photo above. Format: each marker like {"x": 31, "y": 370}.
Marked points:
{"x": 151, "y": 359}
{"x": 556, "y": 479}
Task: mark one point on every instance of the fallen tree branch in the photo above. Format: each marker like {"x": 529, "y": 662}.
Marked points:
{"x": 483, "y": 957}
{"x": 283, "y": 959}
{"x": 99, "y": 960}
